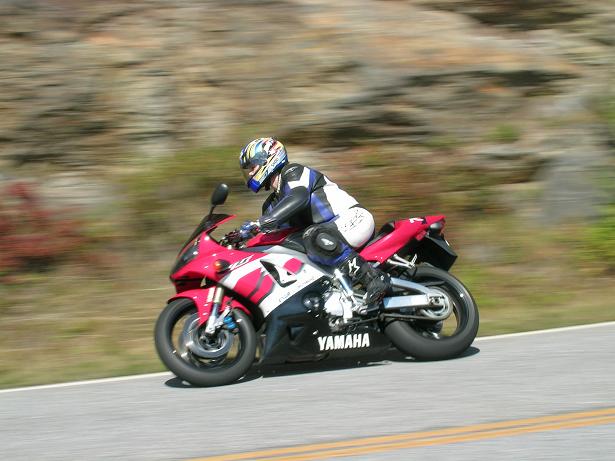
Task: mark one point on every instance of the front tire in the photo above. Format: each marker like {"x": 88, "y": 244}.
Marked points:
{"x": 196, "y": 370}
{"x": 424, "y": 339}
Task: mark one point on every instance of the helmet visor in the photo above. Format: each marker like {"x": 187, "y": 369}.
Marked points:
{"x": 247, "y": 161}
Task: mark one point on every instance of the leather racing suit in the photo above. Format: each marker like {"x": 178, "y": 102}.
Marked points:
{"x": 336, "y": 223}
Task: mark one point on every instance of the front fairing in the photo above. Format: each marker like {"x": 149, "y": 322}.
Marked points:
{"x": 201, "y": 267}
{"x": 198, "y": 244}
{"x": 191, "y": 274}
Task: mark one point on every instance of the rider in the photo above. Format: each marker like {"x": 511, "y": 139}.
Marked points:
{"x": 304, "y": 198}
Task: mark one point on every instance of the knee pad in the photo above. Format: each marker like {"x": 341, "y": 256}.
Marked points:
{"x": 322, "y": 238}
{"x": 324, "y": 245}
{"x": 326, "y": 242}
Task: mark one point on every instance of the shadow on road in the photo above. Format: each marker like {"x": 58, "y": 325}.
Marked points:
{"x": 322, "y": 366}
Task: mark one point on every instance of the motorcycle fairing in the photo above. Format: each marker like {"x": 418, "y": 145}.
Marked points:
{"x": 436, "y": 251}
{"x": 203, "y": 266}
{"x": 264, "y": 279}
{"x": 268, "y": 280}
{"x": 203, "y": 300}
{"x": 400, "y": 233}
{"x": 295, "y": 333}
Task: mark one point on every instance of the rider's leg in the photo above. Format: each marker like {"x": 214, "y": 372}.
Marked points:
{"x": 326, "y": 245}
{"x": 357, "y": 226}
{"x": 375, "y": 282}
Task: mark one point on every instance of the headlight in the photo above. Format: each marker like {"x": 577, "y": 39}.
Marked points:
{"x": 189, "y": 253}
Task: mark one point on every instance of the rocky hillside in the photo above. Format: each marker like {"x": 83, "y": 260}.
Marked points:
{"x": 517, "y": 89}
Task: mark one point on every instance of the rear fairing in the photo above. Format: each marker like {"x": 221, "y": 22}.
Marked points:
{"x": 395, "y": 235}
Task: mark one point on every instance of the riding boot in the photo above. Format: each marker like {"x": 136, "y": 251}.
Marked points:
{"x": 375, "y": 282}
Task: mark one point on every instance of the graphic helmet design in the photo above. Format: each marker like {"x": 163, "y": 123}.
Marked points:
{"x": 262, "y": 157}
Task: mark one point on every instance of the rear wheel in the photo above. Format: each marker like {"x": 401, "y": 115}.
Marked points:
{"x": 200, "y": 359}
{"x": 431, "y": 339}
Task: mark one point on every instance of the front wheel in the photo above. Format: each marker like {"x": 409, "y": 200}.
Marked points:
{"x": 431, "y": 340}
{"x": 197, "y": 358}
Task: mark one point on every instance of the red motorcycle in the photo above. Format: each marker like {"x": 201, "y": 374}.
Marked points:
{"x": 259, "y": 297}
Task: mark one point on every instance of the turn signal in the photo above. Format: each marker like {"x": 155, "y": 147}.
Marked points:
{"x": 221, "y": 265}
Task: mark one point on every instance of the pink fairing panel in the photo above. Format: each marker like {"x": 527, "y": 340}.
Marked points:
{"x": 403, "y": 231}
{"x": 203, "y": 298}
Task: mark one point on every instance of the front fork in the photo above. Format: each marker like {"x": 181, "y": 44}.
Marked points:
{"x": 217, "y": 319}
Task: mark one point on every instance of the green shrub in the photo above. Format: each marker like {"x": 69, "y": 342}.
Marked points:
{"x": 505, "y": 134}
{"x": 599, "y": 241}
{"x": 606, "y": 111}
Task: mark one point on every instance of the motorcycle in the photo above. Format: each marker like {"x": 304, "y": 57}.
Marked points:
{"x": 258, "y": 298}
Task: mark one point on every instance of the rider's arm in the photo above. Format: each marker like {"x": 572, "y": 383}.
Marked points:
{"x": 291, "y": 204}
{"x": 269, "y": 203}
{"x": 295, "y": 197}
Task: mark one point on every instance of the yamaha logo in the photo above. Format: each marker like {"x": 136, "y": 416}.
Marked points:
{"x": 354, "y": 341}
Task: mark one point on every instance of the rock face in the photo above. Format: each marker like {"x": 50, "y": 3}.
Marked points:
{"x": 88, "y": 83}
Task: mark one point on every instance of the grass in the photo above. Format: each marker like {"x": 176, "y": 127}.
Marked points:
{"x": 598, "y": 243}
{"x": 82, "y": 321}
{"x": 91, "y": 325}
{"x": 527, "y": 278}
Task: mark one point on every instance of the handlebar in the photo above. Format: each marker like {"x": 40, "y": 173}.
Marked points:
{"x": 237, "y": 237}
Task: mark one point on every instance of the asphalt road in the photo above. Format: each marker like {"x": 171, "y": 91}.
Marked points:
{"x": 561, "y": 383}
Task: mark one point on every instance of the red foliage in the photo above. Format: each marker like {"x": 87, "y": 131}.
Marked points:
{"x": 32, "y": 237}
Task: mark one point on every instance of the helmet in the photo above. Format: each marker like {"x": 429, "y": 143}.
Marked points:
{"x": 268, "y": 155}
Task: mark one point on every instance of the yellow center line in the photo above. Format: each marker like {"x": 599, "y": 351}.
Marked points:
{"x": 425, "y": 438}
{"x": 327, "y": 454}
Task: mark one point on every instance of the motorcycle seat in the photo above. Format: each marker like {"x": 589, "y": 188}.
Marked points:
{"x": 383, "y": 232}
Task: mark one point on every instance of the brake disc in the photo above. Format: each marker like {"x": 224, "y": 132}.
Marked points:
{"x": 207, "y": 347}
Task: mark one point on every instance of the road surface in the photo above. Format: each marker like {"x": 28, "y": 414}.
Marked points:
{"x": 548, "y": 396}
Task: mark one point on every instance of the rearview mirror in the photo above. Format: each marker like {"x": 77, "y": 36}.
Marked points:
{"x": 219, "y": 195}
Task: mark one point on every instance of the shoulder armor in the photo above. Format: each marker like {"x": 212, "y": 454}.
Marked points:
{"x": 292, "y": 172}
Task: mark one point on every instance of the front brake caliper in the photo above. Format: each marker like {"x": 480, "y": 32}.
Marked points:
{"x": 229, "y": 322}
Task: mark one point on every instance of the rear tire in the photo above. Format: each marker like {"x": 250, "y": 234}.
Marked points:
{"x": 422, "y": 339}
{"x": 191, "y": 368}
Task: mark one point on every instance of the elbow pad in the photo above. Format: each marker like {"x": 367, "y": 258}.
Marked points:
{"x": 285, "y": 209}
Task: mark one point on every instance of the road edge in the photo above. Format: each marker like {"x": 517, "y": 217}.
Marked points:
{"x": 169, "y": 374}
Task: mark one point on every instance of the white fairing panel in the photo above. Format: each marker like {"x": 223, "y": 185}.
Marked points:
{"x": 305, "y": 277}
{"x": 294, "y": 272}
